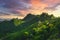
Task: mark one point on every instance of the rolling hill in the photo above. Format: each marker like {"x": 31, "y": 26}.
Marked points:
{"x": 32, "y": 27}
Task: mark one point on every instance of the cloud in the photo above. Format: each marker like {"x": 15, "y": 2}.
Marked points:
{"x": 52, "y": 4}
{"x": 23, "y": 7}
{"x": 11, "y": 6}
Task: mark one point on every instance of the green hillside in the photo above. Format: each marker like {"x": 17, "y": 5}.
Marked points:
{"x": 32, "y": 27}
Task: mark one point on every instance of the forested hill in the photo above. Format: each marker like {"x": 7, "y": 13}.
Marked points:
{"x": 32, "y": 27}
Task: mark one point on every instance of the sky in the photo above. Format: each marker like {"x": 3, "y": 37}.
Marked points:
{"x": 20, "y": 8}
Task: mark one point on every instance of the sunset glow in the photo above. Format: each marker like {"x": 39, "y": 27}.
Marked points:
{"x": 20, "y": 8}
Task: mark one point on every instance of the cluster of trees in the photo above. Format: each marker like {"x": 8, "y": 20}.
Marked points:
{"x": 32, "y": 27}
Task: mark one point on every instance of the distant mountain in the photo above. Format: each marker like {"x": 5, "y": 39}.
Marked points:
{"x": 1, "y": 19}
{"x": 4, "y": 19}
